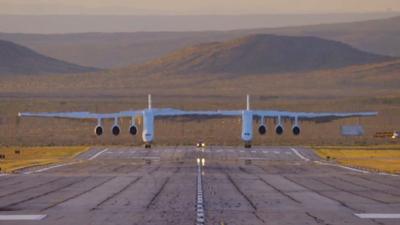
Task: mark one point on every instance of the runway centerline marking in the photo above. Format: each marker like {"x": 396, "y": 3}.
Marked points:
{"x": 299, "y": 155}
{"x": 378, "y": 215}
{"x": 97, "y": 154}
{"x": 200, "y": 195}
{"x": 21, "y": 217}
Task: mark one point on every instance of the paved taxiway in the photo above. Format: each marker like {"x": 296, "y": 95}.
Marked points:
{"x": 185, "y": 185}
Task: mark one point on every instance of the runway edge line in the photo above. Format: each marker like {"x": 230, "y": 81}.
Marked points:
{"x": 98, "y": 154}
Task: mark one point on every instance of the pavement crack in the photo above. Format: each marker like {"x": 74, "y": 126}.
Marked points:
{"x": 325, "y": 196}
{"x": 154, "y": 170}
{"x": 375, "y": 181}
{"x": 116, "y": 169}
{"x": 377, "y": 222}
{"x": 154, "y": 198}
{"x": 348, "y": 191}
{"x": 251, "y": 203}
{"x": 157, "y": 193}
{"x": 116, "y": 193}
{"x": 31, "y": 187}
{"x": 270, "y": 185}
{"x": 78, "y": 194}
{"x": 3, "y": 181}
{"x": 317, "y": 219}
{"x": 369, "y": 188}
{"x": 46, "y": 193}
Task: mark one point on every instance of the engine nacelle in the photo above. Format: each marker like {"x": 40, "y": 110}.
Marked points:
{"x": 133, "y": 130}
{"x": 279, "y": 129}
{"x": 98, "y": 130}
{"x": 296, "y": 130}
{"x": 262, "y": 129}
{"x": 115, "y": 130}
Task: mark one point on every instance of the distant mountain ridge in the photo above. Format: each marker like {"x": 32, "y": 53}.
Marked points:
{"x": 113, "y": 50}
{"x": 260, "y": 54}
{"x": 16, "y": 59}
{"x": 380, "y": 36}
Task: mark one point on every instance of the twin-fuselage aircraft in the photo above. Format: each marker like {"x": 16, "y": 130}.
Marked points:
{"x": 248, "y": 115}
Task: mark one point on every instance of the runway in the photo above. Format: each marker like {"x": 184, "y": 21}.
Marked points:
{"x": 186, "y": 185}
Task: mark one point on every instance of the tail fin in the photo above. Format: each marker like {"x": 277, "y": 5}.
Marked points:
{"x": 248, "y": 102}
{"x": 149, "y": 100}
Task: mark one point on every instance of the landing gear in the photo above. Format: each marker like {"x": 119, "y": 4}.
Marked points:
{"x": 147, "y": 145}
{"x": 247, "y": 145}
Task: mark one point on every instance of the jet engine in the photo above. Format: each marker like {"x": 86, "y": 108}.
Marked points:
{"x": 133, "y": 130}
{"x": 115, "y": 130}
{"x": 279, "y": 129}
{"x": 98, "y": 130}
{"x": 262, "y": 129}
{"x": 296, "y": 130}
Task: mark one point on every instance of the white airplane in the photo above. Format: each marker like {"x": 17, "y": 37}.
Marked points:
{"x": 247, "y": 119}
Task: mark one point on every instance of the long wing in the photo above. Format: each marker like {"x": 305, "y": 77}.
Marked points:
{"x": 301, "y": 116}
{"x": 82, "y": 115}
{"x": 167, "y": 112}
{"x": 318, "y": 117}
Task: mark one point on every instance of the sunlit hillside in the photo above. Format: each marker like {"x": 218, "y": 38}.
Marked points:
{"x": 372, "y": 87}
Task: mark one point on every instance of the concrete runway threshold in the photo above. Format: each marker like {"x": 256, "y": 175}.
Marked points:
{"x": 116, "y": 186}
{"x": 200, "y": 217}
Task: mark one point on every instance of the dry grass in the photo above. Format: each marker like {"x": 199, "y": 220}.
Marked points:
{"x": 35, "y": 156}
{"x": 56, "y": 132}
{"x": 349, "y": 89}
{"x": 376, "y": 158}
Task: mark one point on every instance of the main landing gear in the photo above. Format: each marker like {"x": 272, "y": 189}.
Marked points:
{"x": 147, "y": 145}
{"x": 247, "y": 144}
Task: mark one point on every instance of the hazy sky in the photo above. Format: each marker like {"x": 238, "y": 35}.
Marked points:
{"x": 193, "y": 6}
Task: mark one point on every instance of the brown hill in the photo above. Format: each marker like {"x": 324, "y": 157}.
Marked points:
{"x": 380, "y": 36}
{"x": 261, "y": 54}
{"x": 107, "y": 50}
{"x": 16, "y": 59}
